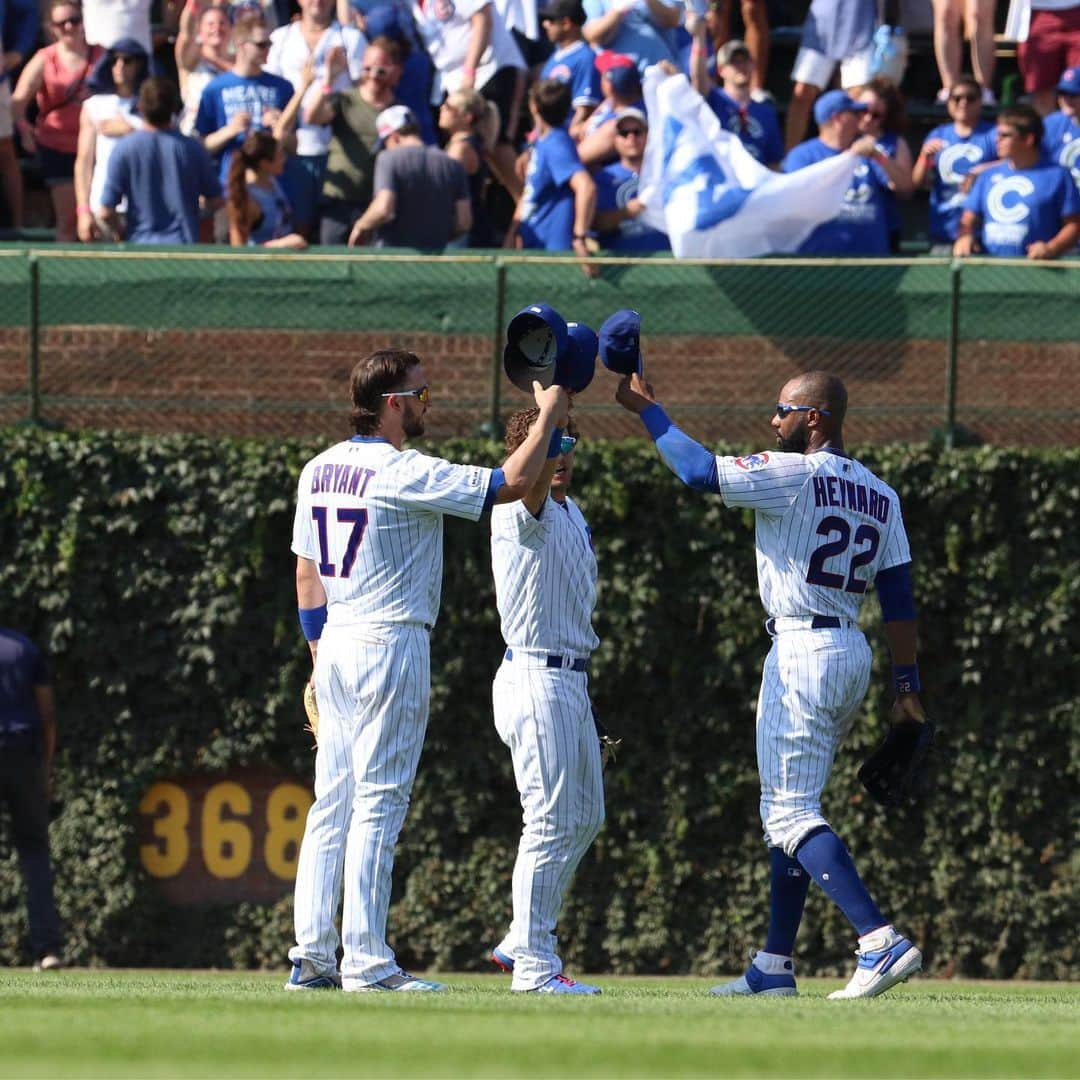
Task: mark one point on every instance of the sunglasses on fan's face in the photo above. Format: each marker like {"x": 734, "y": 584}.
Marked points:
{"x": 69, "y": 23}
{"x": 959, "y": 99}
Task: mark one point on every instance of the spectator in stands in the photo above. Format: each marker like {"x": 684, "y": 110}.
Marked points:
{"x": 1052, "y": 45}
{"x": 1061, "y": 130}
{"x": 351, "y": 115}
{"x": 620, "y": 84}
{"x": 417, "y": 70}
{"x": 18, "y": 38}
{"x": 754, "y": 122}
{"x": 203, "y": 51}
{"x": 107, "y": 116}
{"x": 556, "y": 208}
{"x": 835, "y": 32}
{"x": 162, "y": 174}
{"x": 108, "y": 21}
{"x": 258, "y": 208}
{"x": 618, "y": 208}
{"x": 421, "y": 195}
{"x": 573, "y": 61}
{"x": 948, "y": 155}
{"x": 471, "y": 123}
{"x": 247, "y": 97}
{"x": 755, "y": 16}
{"x": 953, "y": 21}
{"x": 861, "y": 227}
{"x": 318, "y": 39}
{"x": 1023, "y": 205}
{"x": 644, "y": 30}
{"x": 886, "y": 118}
{"x": 58, "y": 78}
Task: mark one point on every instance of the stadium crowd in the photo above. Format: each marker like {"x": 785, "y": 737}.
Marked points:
{"x": 518, "y": 123}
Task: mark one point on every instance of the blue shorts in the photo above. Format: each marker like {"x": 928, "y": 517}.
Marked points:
{"x": 303, "y": 180}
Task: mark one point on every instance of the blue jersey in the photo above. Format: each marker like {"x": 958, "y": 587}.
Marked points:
{"x": 228, "y": 94}
{"x": 1020, "y": 206}
{"x": 861, "y": 227}
{"x": 576, "y": 67}
{"x": 616, "y": 185}
{"x": 954, "y": 162}
{"x": 755, "y": 125}
{"x": 638, "y": 36}
{"x": 1061, "y": 142}
{"x": 22, "y": 667}
{"x": 547, "y": 203}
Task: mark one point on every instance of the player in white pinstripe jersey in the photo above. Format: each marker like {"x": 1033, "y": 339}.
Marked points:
{"x": 827, "y": 528}
{"x": 368, "y": 536}
{"x": 545, "y": 587}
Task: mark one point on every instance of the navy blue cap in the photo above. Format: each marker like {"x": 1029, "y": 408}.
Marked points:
{"x": 1070, "y": 81}
{"x": 577, "y": 365}
{"x": 536, "y": 338}
{"x": 620, "y": 342}
{"x": 833, "y": 102}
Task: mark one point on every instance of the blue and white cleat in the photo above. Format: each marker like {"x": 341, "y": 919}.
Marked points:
{"x": 305, "y": 977}
{"x": 503, "y": 961}
{"x": 885, "y": 959}
{"x": 769, "y": 975}
{"x": 563, "y": 984}
{"x": 400, "y": 983}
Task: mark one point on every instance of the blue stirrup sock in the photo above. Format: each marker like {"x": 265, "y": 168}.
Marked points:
{"x": 827, "y": 861}
{"x": 789, "y": 883}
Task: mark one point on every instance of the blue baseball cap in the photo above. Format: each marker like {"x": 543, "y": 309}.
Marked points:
{"x": 576, "y": 367}
{"x": 536, "y": 338}
{"x": 620, "y": 342}
{"x": 1070, "y": 81}
{"x": 383, "y": 21}
{"x": 833, "y": 102}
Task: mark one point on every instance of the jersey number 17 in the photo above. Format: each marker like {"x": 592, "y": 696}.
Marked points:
{"x": 357, "y": 519}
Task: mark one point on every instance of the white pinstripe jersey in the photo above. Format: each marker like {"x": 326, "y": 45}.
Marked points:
{"x": 545, "y": 577}
{"x": 825, "y": 525}
{"x": 371, "y": 518}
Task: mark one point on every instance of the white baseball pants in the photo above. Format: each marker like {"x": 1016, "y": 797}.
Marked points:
{"x": 373, "y": 686}
{"x": 812, "y": 684}
{"x": 544, "y": 716}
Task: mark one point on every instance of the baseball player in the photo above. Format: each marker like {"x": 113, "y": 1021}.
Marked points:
{"x": 545, "y": 586}
{"x": 827, "y": 528}
{"x": 368, "y": 537}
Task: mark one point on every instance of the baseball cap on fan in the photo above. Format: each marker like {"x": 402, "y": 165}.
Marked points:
{"x": 562, "y": 9}
{"x": 1070, "y": 81}
{"x": 390, "y": 120}
{"x": 835, "y": 101}
{"x": 621, "y": 72}
{"x": 729, "y": 50}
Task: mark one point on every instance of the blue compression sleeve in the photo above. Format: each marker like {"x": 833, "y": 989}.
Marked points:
{"x": 687, "y": 459}
{"x": 498, "y": 480}
{"x": 312, "y": 621}
{"x": 895, "y": 593}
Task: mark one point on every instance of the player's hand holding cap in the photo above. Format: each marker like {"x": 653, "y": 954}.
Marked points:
{"x": 620, "y": 343}
{"x": 535, "y": 340}
{"x": 576, "y": 366}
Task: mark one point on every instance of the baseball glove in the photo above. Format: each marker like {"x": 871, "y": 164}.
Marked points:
{"x": 608, "y": 744}
{"x": 311, "y": 707}
{"x": 896, "y": 771}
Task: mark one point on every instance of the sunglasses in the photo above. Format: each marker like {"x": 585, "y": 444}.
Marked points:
{"x": 1004, "y": 133}
{"x": 263, "y": 43}
{"x": 786, "y": 410}
{"x": 379, "y": 72}
{"x": 964, "y": 97}
{"x": 567, "y": 444}
{"x": 125, "y": 59}
{"x": 875, "y": 115}
{"x": 68, "y": 23}
{"x": 627, "y": 132}
{"x": 421, "y": 393}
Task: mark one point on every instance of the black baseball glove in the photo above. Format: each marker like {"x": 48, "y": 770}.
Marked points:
{"x": 897, "y": 769}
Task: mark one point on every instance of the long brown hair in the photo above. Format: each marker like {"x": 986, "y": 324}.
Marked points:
{"x": 257, "y": 146}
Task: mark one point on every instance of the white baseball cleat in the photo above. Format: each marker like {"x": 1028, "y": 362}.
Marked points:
{"x": 885, "y": 959}
{"x": 400, "y": 983}
{"x": 769, "y": 975}
{"x": 305, "y": 976}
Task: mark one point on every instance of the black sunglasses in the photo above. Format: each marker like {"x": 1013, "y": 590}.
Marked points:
{"x": 963, "y": 97}
{"x": 785, "y": 410}
{"x": 72, "y": 20}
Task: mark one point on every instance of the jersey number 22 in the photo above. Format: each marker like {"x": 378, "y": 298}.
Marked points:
{"x": 864, "y": 534}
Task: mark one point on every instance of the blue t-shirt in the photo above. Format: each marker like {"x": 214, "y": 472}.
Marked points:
{"x": 638, "y": 36}
{"x": 861, "y": 227}
{"x": 616, "y": 185}
{"x": 954, "y": 162}
{"x": 22, "y": 667}
{"x": 576, "y": 67}
{"x": 1061, "y": 142}
{"x": 228, "y": 94}
{"x": 756, "y": 126}
{"x": 1020, "y": 206}
{"x": 547, "y": 203}
{"x": 162, "y": 174}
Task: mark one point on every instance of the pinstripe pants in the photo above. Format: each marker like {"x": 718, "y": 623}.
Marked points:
{"x": 373, "y": 685}
{"x": 544, "y": 717}
{"x": 812, "y": 684}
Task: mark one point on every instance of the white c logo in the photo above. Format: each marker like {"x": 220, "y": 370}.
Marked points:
{"x": 956, "y": 160}
{"x": 1013, "y": 212}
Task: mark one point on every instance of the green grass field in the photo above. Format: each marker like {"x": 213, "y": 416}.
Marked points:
{"x": 163, "y": 1024}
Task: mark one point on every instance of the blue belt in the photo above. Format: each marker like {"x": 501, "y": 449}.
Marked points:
{"x": 554, "y": 660}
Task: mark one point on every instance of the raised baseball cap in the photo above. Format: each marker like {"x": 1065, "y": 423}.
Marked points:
{"x": 1070, "y": 81}
{"x": 390, "y": 120}
{"x": 620, "y": 342}
{"x": 536, "y": 337}
{"x": 833, "y": 102}
{"x": 575, "y": 368}
{"x": 727, "y": 51}
{"x": 562, "y": 9}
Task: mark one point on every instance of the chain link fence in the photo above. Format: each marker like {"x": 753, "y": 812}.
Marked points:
{"x": 231, "y": 343}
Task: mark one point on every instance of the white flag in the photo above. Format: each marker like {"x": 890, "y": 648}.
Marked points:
{"x": 702, "y": 187}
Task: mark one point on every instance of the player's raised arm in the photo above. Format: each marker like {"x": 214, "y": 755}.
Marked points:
{"x": 521, "y": 470}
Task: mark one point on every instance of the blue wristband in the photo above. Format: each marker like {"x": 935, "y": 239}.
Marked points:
{"x": 906, "y": 678}
{"x": 312, "y": 620}
{"x": 555, "y": 446}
